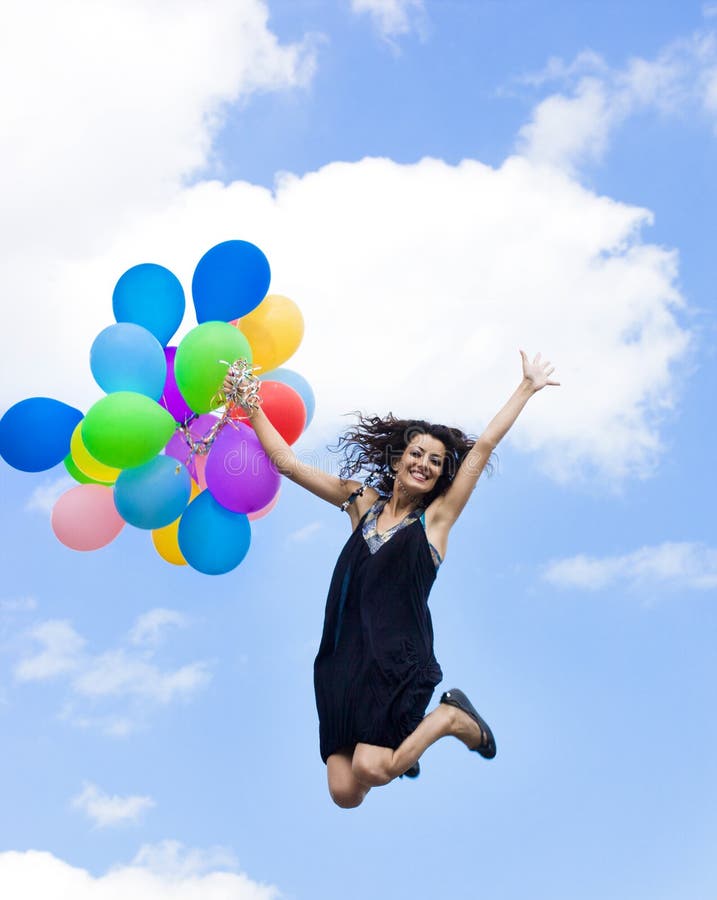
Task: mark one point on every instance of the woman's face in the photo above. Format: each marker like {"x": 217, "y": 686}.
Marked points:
{"x": 420, "y": 465}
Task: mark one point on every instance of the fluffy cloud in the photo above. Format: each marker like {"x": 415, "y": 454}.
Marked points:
{"x": 419, "y": 283}
{"x": 12, "y": 605}
{"x": 60, "y": 654}
{"x": 128, "y": 676}
{"x": 105, "y": 810}
{"x": 113, "y": 107}
{"x": 150, "y": 627}
{"x": 119, "y": 674}
{"x": 166, "y": 872}
{"x": 572, "y": 128}
{"x": 393, "y": 17}
{"x": 45, "y": 495}
{"x": 685, "y": 566}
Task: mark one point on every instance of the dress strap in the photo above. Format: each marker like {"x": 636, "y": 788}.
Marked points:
{"x": 435, "y": 555}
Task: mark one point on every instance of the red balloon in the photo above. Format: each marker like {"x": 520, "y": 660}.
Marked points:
{"x": 284, "y": 408}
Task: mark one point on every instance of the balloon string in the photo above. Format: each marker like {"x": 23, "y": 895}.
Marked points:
{"x": 240, "y": 391}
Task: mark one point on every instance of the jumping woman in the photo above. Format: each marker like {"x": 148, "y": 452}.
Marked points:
{"x": 375, "y": 671}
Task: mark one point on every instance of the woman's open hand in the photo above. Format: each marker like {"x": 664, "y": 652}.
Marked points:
{"x": 537, "y": 371}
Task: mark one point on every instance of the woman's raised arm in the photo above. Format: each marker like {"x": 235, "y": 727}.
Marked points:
{"x": 445, "y": 509}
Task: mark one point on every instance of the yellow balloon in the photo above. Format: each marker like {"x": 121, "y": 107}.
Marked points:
{"x": 87, "y": 464}
{"x": 166, "y": 543}
{"x": 274, "y": 329}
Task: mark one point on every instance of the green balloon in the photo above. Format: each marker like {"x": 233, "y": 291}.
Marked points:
{"x": 125, "y": 429}
{"x": 78, "y": 474}
{"x": 198, "y": 366}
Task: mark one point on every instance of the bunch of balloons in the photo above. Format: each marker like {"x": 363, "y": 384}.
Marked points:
{"x": 133, "y": 453}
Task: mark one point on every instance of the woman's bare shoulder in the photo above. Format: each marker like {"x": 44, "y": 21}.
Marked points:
{"x": 361, "y": 504}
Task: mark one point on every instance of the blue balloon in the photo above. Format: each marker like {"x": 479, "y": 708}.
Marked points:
{"x": 229, "y": 281}
{"x": 35, "y": 433}
{"x": 127, "y": 357}
{"x": 151, "y": 296}
{"x": 212, "y": 539}
{"x": 299, "y": 384}
{"x": 154, "y": 494}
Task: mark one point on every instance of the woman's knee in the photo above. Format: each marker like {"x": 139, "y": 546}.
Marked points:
{"x": 370, "y": 771}
{"x": 346, "y": 796}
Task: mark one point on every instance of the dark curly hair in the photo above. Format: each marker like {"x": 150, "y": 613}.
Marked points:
{"x": 374, "y": 443}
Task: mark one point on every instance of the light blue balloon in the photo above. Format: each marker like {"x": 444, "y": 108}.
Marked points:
{"x": 151, "y": 296}
{"x": 299, "y": 384}
{"x": 127, "y": 357}
{"x": 212, "y": 539}
{"x": 154, "y": 494}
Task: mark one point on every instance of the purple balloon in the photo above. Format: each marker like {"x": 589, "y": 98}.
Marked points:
{"x": 179, "y": 448}
{"x": 239, "y": 474}
{"x": 172, "y": 399}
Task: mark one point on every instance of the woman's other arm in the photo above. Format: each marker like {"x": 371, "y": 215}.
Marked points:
{"x": 445, "y": 509}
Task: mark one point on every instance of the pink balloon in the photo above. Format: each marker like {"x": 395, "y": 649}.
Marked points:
{"x": 172, "y": 399}
{"x": 264, "y": 511}
{"x": 239, "y": 474}
{"x": 85, "y": 518}
{"x": 200, "y": 466}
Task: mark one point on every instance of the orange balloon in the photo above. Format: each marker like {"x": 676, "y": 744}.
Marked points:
{"x": 274, "y": 329}
{"x": 166, "y": 543}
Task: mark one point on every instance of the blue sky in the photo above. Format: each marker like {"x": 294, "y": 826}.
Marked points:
{"x": 435, "y": 184}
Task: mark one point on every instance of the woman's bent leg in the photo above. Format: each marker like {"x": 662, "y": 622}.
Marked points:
{"x": 345, "y": 789}
{"x": 373, "y": 766}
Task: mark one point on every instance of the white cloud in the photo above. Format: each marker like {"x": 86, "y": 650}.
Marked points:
{"x": 393, "y": 18}
{"x": 60, "y": 654}
{"x": 150, "y": 626}
{"x": 556, "y": 69}
{"x": 418, "y": 283}
{"x": 45, "y": 495}
{"x": 459, "y": 267}
{"x": 686, "y": 566}
{"x": 11, "y": 605}
{"x": 127, "y": 676}
{"x": 570, "y": 129}
{"x": 117, "y": 674}
{"x": 105, "y": 810}
{"x": 173, "y": 860}
{"x": 306, "y": 533}
{"x": 567, "y": 131}
{"x": 113, "y": 106}
{"x": 30, "y": 875}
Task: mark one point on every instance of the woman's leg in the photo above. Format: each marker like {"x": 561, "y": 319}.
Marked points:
{"x": 345, "y": 789}
{"x": 373, "y": 766}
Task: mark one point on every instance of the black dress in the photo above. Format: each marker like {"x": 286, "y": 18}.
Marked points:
{"x": 375, "y": 670}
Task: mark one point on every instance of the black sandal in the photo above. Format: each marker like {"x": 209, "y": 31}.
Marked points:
{"x": 454, "y": 697}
